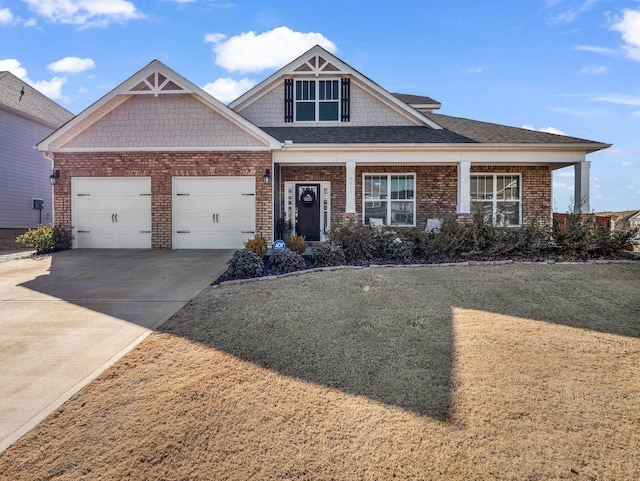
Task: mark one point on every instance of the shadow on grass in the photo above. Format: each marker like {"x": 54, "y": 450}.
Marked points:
{"x": 364, "y": 337}
{"x": 387, "y": 334}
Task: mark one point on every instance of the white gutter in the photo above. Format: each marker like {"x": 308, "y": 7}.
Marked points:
{"x": 432, "y": 147}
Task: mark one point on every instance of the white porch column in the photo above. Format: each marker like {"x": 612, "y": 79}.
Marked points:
{"x": 351, "y": 187}
{"x": 464, "y": 188}
{"x": 581, "y": 188}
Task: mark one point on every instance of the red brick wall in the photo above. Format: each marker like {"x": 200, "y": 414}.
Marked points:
{"x": 161, "y": 167}
{"x": 436, "y": 188}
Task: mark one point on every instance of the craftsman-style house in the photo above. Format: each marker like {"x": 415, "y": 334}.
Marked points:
{"x": 160, "y": 163}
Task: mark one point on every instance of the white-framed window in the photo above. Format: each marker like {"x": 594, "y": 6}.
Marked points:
{"x": 498, "y": 198}
{"x": 389, "y": 199}
{"x": 317, "y": 100}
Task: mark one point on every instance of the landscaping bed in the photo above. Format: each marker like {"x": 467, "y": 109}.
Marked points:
{"x": 452, "y": 242}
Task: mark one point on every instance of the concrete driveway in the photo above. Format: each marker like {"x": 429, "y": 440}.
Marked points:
{"x": 65, "y": 318}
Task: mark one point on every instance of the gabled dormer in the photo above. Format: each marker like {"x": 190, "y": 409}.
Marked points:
{"x": 320, "y": 90}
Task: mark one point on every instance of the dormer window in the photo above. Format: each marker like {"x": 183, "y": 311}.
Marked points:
{"x": 317, "y": 100}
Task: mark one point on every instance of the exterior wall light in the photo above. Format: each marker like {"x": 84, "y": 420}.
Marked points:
{"x": 55, "y": 177}
{"x": 267, "y": 176}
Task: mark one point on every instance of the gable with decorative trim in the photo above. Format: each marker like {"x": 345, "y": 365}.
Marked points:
{"x": 318, "y": 89}
{"x": 166, "y": 121}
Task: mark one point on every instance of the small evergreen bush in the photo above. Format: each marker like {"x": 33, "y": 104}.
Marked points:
{"x": 326, "y": 255}
{"x": 297, "y": 244}
{"x": 45, "y": 239}
{"x": 394, "y": 245}
{"x": 244, "y": 264}
{"x": 257, "y": 245}
{"x": 286, "y": 261}
{"x": 357, "y": 241}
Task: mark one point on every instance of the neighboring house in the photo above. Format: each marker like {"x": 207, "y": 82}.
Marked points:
{"x": 634, "y": 221}
{"x": 628, "y": 221}
{"x": 159, "y": 163}
{"x": 26, "y": 117}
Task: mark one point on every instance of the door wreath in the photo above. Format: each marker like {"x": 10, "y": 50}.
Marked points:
{"x": 308, "y": 197}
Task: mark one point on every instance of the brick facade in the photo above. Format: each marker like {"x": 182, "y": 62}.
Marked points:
{"x": 161, "y": 167}
{"x": 436, "y": 188}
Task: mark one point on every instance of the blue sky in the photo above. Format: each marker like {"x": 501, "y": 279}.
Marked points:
{"x": 564, "y": 66}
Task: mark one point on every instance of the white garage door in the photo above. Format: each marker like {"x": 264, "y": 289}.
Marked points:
{"x": 213, "y": 212}
{"x": 111, "y": 212}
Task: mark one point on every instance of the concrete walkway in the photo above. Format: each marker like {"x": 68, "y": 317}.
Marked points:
{"x": 66, "y": 318}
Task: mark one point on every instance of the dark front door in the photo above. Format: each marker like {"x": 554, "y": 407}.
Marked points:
{"x": 308, "y": 211}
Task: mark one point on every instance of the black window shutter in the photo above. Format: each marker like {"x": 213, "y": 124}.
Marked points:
{"x": 346, "y": 100}
{"x": 288, "y": 100}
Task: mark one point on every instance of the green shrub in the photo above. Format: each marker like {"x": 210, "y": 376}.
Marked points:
{"x": 446, "y": 244}
{"x": 357, "y": 241}
{"x": 286, "y": 261}
{"x": 257, "y": 245}
{"x": 610, "y": 244}
{"x": 326, "y": 254}
{"x": 574, "y": 238}
{"x": 244, "y": 264}
{"x": 46, "y": 239}
{"x": 394, "y": 245}
{"x": 581, "y": 239}
{"x": 297, "y": 244}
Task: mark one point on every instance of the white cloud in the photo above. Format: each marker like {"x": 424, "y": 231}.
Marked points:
{"x": 600, "y": 50}
{"x": 594, "y": 69}
{"x": 568, "y": 174}
{"x": 619, "y": 99}
{"x": 635, "y": 115}
{"x": 85, "y": 13}
{"x": 548, "y": 130}
{"x": 51, "y": 88}
{"x": 72, "y": 65}
{"x": 629, "y": 26}
{"x": 12, "y": 65}
{"x": 570, "y": 13}
{"x": 6, "y": 17}
{"x": 253, "y": 53}
{"x": 214, "y": 37}
{"x": 228, "y": 89}
{"x": 31, "y": 22}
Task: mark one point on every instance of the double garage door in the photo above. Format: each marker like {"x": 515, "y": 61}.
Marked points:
{"x": 207, "y": 212}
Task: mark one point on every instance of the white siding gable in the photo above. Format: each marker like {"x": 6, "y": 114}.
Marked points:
{"x": 165, "y": 121}
{"x": 366, "y": 110}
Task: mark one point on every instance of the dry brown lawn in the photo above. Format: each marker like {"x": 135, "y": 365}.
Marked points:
{"x": 510, "y": 372}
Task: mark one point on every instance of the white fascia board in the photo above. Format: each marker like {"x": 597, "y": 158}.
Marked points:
{"x": 470, "y": 147}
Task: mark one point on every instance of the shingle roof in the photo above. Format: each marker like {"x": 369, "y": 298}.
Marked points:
{"x": 33, "y": 102}
{"x": 488, "y": 133}
{"x": 367, "y": 135}
{"x": 415, "y": 99}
